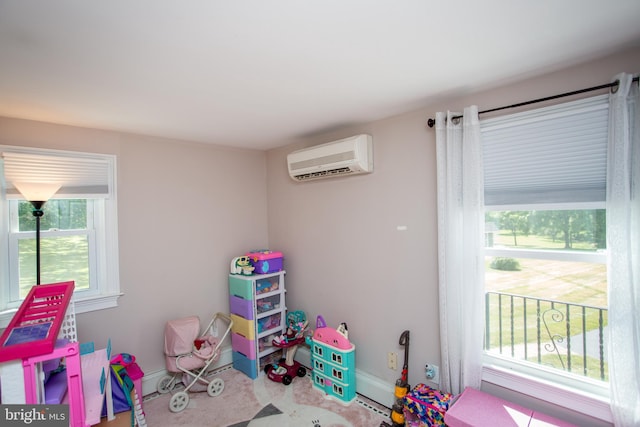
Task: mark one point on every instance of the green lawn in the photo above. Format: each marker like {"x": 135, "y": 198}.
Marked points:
{"x": 61, "y": 259}
{"x": 582, "y": 284}
{"x": 577, "y": 365}
{"x": 505, "y": 238}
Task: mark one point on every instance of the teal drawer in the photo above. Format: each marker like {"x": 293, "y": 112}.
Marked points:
{"x": 246, "y": 365}
{"x": 241, "y": 287}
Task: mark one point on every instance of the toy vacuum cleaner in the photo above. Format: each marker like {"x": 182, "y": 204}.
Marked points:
{"x": 401, "y": 388}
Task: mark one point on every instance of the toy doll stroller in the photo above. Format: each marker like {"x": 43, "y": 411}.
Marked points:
{"x": 189, "y": 353}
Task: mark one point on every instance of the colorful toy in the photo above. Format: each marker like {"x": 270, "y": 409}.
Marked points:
{"x": 401, "y": 388}
{"x": 426, "y": 405}
{"x": 334, "y": 337}
{"x": 263, "y": 306}
{"x": 265, "y": 261}
{"x": 267, "y": 285}
{"x": 269, "y": 322}
{"x": 242, "y": 265}
{"x": 187, "y": 362}
{"x": 123, "y": 359}
{"x": 333, "y": 362}
{"x": 287, "y": 369}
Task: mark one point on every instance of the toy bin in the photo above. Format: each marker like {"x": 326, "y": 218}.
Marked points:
{"x": 269, "y": 322}
{"x": 265, "y": 261}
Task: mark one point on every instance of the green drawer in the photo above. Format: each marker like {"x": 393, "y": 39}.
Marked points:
{"x": 242, "y": 288}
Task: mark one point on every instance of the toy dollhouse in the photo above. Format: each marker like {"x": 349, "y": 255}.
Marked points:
{"x": 43, "y": 331}
{"x": 333, "y": 362}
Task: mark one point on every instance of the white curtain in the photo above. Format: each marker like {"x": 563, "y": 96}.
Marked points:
{"x": 460, "y": 249}
{"x": 623, "y": 246}
{"x": 4, "y": 233}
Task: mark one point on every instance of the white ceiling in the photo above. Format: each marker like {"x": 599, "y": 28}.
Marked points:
{"x": 255, "y": 73}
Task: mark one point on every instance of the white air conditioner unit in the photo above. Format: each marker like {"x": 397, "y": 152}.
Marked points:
{"x": 348, "y": 156}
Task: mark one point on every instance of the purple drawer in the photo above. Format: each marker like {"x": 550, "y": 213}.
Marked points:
{"x": 244, "y": 346}
{"x": 241, "y": 307}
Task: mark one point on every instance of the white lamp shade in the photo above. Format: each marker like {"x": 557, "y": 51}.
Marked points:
{"x": 37, "y": 191}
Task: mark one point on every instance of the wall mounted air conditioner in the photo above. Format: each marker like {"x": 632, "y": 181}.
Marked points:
{"x": 348, "y": 156}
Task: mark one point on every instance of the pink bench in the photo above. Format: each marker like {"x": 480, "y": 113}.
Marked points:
{"x": 475, "y": 408}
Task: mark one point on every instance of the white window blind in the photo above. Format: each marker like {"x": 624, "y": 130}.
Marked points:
{"x": 81, "y": 175}
{"x": 554, "y": 154}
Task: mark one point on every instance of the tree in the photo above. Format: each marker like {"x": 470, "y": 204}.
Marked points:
{"x": 58, "y": 214}
{"x": 571, "y": 225}
{"x": 515, "y": 221}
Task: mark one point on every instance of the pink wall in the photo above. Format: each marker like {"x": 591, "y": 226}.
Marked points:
{"x": 184, "y": 210}
{"x": 346, "y": 259}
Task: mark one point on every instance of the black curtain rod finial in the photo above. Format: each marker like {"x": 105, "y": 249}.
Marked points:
{"x": 431, "y": 123}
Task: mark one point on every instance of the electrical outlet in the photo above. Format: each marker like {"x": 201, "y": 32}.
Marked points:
{"x": 392, "y": 361}
{"x": 432, "y": 372}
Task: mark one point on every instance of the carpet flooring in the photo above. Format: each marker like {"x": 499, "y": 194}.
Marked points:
{"x": 263, "y": 403}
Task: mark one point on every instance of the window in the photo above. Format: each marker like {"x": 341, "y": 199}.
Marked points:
{"x": 546, "y": 289}
{"x": 78, "y": 230}
{"x": 545, "y": 276}
{"x": 66, "y": 234}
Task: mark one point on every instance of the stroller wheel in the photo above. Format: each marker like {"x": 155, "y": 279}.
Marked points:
{"x": 179, "y": 401}
{"x": 166, "y": 384}
{"x": 215, "y": 387}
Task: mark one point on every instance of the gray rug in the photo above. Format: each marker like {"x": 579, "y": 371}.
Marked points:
{"x": 265, "y": 412}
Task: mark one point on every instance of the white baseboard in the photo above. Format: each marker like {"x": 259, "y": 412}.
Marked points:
{"x": 367, "y": 385}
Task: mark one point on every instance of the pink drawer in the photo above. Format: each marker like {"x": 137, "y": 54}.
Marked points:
{"x": 241, "y": 307}
{"x": 244, "y": 346}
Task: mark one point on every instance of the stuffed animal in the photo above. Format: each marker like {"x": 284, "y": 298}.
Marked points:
{"x": 242, "y": 265}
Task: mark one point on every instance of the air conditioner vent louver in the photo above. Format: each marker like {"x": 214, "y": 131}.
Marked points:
{"x": 349, "y": 156}
{"x": 323, "y": 174}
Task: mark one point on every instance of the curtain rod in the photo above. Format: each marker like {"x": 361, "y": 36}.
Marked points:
{"x": 432, "y": 122}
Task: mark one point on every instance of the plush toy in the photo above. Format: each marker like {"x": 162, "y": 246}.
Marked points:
{"x": 204, "y": 346}
{"x": 242, "y": 265}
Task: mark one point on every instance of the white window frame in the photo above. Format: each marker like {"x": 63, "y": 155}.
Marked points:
{"x": 572, "y": 391}
{"x": 105, "y": 267}
{"x": 15, "y": 236}
{"x": 576, "y": 393}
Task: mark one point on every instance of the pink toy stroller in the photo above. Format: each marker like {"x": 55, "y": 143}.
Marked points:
{"x": 189, "y": 353}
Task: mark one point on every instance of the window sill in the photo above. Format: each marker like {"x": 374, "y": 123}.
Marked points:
{"x": 584, "y": 402}
{"x": 85, "y": 305}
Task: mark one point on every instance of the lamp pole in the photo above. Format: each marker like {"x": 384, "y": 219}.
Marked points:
{"x": 37, "y": 212}
{"x": 37, "y": 193}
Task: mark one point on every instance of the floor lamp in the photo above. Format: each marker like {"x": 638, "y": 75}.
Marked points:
{"x": 37, "y": 193}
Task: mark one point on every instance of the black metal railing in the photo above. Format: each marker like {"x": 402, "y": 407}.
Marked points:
{"x": 560, "y": 334}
